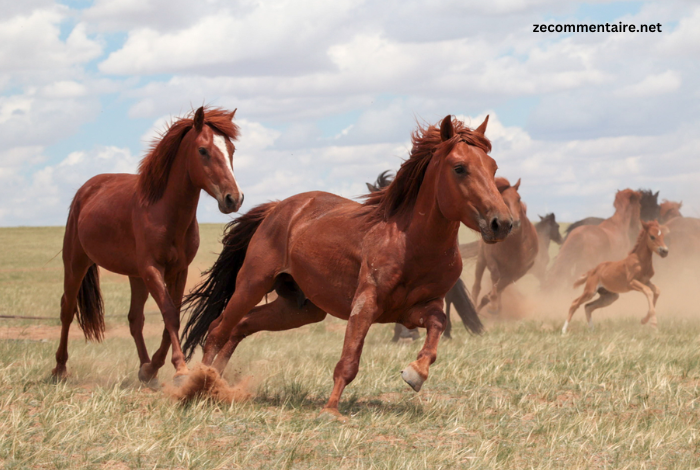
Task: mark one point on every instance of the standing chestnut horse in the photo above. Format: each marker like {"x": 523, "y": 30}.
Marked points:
{"x": 144, "y": 226}
{"x": 510, "y": 260}
{"x": 612, "y": 278}
{"x": 589, "y": 245}
{"x": 391, "y": 259}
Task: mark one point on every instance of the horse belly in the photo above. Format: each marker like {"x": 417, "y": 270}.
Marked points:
{"x": 105, "y": 230}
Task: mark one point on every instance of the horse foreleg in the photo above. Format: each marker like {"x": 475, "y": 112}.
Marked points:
{"x": 279, "y": 315}
{"x": 154, "y": 279}
{"x": 139, "y": 295}
{"x": 364, "y": 311}
{"x": 434, "y": 319}
{"x": 655, "y": 290}
{"x": 447, "y": 334}
{"x": 651, "y": 314}
{"x": 478, "y": 274}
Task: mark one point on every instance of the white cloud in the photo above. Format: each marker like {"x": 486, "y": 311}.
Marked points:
{"x": 652, "y": 85}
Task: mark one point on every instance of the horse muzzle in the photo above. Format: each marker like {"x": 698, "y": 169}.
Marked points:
{"x": 496, "y": 229}
{"x": 663, "y": 251}
{"x": 228, "y": 203}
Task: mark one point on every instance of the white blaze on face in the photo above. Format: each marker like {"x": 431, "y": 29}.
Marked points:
{"x": 659, "y": 233}
{"x": 220, "y": 143}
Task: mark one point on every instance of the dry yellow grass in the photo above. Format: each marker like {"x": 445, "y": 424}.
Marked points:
{"x": 520, "y": 396}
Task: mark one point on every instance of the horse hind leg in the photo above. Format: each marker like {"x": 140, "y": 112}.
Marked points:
{"x": 139, "y": 296}
{"x": 588, "y": 293}
{"x": 279, "y": 315}
{"x": 606, "y": 298}
{"x": 74, "y": 271}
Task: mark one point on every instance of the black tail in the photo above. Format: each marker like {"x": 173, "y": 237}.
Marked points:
{"x": 90, "y": 307}
{"x": 209, "y": 299}
{"x": 459, "y": 296}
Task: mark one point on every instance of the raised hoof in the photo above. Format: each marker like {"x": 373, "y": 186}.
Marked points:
{"x": 180, "y": 380}
{"x": 332, "y": 414}
{"x": 412, "y": 378}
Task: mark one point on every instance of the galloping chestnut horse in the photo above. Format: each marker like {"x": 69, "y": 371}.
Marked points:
{"x": 391, "y": 259}
{"x": 547, "y": 231}
{"x": 457, "y": 296}
{"x": 144, "y": 226}
{"x": 589, "y": 245}
{"x": 511, "y": 259}
{"x": 612, "y": 278}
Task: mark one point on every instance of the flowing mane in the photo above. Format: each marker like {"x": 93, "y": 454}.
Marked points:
{"x": 400, "y": 196}
{"x": 154, "y": 169}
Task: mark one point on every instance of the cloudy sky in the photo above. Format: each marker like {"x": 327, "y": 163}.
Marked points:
{"x": 328, "y": 93}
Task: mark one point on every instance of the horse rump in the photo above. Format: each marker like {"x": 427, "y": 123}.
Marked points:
{"x": 206, "y": 303}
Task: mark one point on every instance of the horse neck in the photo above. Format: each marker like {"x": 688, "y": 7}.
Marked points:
{"x": 543, "y": 237}
{"x": 623, "y": 217}
{"x": 643, "y": 252}
{"x": 425, "y": 225}
{"x": 181, "y": 196}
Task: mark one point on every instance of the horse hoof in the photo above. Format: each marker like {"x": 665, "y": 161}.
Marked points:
{"x": 412, "y": 378}
{"x": 332, "y": 414}
{"x": 146, "y": 374}
{"x": 59, "y": 374}
{"x": 180, "y": 380}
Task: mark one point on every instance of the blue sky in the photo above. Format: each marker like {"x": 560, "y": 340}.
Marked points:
{"x": 328, "y": 93}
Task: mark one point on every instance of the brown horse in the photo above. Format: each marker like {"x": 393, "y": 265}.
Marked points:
{"x": 612, "y": 278}
{"x": 511, "y": 259}
{"x": 589, "y": 245}
{"x": 391, "y": 259}
{"x": 144, "y": 226}
{"x": 547, "y": 231}
{"x": 650, "y": 210}
{"x": 669, "y": 210}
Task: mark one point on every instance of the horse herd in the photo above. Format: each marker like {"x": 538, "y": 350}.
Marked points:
{"x": 392, "y": 258}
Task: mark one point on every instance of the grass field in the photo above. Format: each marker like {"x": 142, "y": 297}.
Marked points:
{"x": 519, "y": 396}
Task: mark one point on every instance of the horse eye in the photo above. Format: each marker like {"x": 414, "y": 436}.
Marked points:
{"x": 460, "y": 170}
{"x": 652, "y": 237}
{"x": 203, "y": 152}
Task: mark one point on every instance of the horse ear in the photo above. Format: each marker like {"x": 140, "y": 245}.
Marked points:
{"x": 656, "y": 196}
{"x": 645, "y": 224}
{"x": 680, "y": 204}
{"x": 446, "y": 129}
{"x": 517, "y": 185}
{"x": 541, "y": 218}
{"x": 665, "y": 230}
{"x": 233, "y": 114}
{"x": 372, "y": 188}
{"x": 482, "y": 128}
{"x": 199, "y": 119}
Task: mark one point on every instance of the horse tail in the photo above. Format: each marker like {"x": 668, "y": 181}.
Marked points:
{"x": 90, "y": 306}
{"x": 581, "y": 280}
{"x": 459, "y": 296}
{"x": 469, "y": 250}
{"x": 209, "y": 299}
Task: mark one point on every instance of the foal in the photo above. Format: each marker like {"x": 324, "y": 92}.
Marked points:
{"x": 612, "y": 278}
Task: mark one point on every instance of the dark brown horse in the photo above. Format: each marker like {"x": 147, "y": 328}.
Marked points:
{"x": 547, "y": 231}
{"x": 589, "y": 245}
{"x": 650, "y": 210}
{"x": 391, "y": 259}
{"x": 511, "y": 259}
{"x": 144, "y": 226}
{"x": 457, "y": 296}
{"x": 612, "y": 278}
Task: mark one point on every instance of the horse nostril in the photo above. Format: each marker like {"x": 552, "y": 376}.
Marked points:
{"x": 494, "y": 224}
{"x": 229, "y": 200}
{"x": 242, "y": 199}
